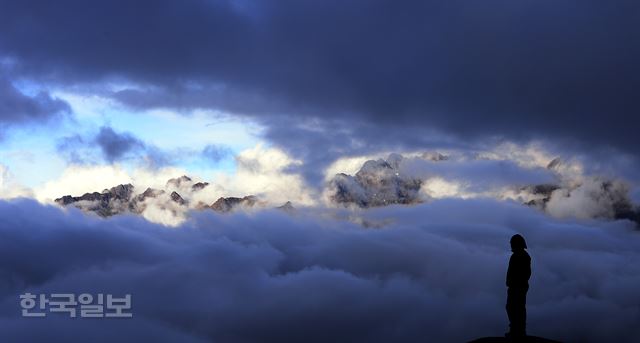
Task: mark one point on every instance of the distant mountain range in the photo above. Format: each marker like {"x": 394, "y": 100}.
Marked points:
{"x": 385, "y": 182}
{"x": 123, "y": 199}
{"x": 378, "y": 183}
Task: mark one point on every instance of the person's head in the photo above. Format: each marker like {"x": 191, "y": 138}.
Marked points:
{"x": 518, "y": 243}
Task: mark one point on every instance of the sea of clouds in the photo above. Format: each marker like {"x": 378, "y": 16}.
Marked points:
{"x": 428, "y": 272}
{"x": 432, "y": 269}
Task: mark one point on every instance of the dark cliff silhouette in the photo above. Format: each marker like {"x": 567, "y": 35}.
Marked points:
{"x": 527, "y": 339}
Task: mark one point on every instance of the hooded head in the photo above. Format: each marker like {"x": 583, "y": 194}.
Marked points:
{"x": 518, "y": 243}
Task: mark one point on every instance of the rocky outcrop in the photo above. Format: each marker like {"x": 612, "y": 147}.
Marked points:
{"x": 138, "y": 204}
{"x": 149, "y": 193}
{"x": 175, "y": 197}
{"x": 198, "y": 186}
{"x": 111, "y": 201}
{"x": 541, "y": 194}
{"x": 287, "y": 207}
{"x": 555, "y": 163}
{"x": 179, "y": 181}
{"x": 121, "y": 199}
{"x": 224, "y": 205}
{"x": 378, "y": 183}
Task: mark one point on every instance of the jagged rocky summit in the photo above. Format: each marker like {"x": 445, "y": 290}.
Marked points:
{"x": 227, "y": 204}
{"x": 123, "y": 199}
{"x": 385, "y": 182}
{"x": 378, "y": 183}
{"x": 111, "y": 201}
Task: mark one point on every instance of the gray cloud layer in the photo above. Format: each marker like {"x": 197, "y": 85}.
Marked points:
{"x": 434, "y": 273}
{"x": 519, "y": 70}
{"x": 17, "y": 108}
{"x": 115, "y": 145}
{"x": 109, "y": 145}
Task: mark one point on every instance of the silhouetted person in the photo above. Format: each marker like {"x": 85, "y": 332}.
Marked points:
{"x": 518, "y": 276}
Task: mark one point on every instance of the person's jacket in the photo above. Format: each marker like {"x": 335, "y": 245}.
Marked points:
{"x": 519, "y": 270}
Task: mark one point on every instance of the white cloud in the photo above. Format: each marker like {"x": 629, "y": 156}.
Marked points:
{"x": 348, "y": 165}
{"x": 438, "y": 187}
{"x": 9, "y": 187}
{"x": 262, "y": 171}
{"x": 594, "y": 198}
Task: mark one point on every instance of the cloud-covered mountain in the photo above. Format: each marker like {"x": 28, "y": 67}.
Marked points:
{"x": 555, "y": 188}
{"x": 377, "y": 183}
{"x": 112, "y": 201}
{"x": 123, "y": 199}
{"x": 400, "y": 180}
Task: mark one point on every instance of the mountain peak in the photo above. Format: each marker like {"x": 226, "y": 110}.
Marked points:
{"x": 178, "y": 181}
{"x": 175, "y": 197}
{"x": 198, "y": 186}
{"x": 228, "y": 204}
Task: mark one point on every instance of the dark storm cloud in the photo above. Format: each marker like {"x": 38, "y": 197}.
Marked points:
{"x": 114, "y": 145}
{"x": 436, "y": 273}
{"x": 109, "y": 145}
{"x": 17, "y": 108}
{"x": 321, "y": 142}
{"x": 520, "y": 70}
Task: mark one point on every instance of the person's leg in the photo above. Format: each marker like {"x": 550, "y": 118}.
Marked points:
{"x": 524, "y": 311}
{"x": 519, "y": 296}
{"x": 516, "y": 311}
{"x": 510, "y": 307}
